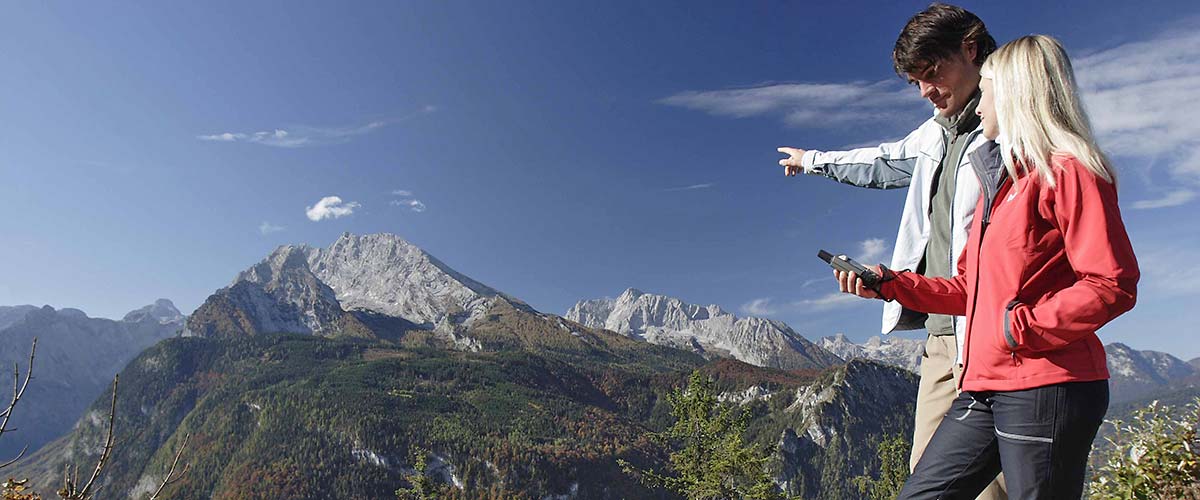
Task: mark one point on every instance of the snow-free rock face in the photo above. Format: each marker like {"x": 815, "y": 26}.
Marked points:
{"x": 829, "y": 424}
{"x": 895, "y": 351}
{"x": 663, "y": 320}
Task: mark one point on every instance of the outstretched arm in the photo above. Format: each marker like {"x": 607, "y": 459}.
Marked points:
{"x": 886, "y": 166}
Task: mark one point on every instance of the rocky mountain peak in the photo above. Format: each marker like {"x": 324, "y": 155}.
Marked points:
{"x": 162, "y": 311}
{"x": 710, "y": 330}
{"x": 302, "y": 289}
{"x": 384, "y": 273}
{"x": 283, "y": 260}
{"x": 893, "y": 350}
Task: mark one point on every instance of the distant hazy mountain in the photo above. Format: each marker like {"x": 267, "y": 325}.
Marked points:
{"x": 708, "y": 330}
{"x": 13, "y": 314}
{"x": 895, "y": 351}
{"x": 77, "y": 357}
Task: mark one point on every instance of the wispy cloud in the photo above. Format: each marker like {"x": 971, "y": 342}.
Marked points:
{"x": 1164, "y": 267}
{"x": 1142, "y": 99}
{"x": 267, "y": 228}
{"x": 812, "y": 105}
{"x": 1141, "y": 96}
{"x": 1170, "y": 199}
{"x": 330, "y": 207}
{"x": 832, "y": 300}
{"x": 869, "y": 251}
{"x": 767, "y": 306}
{"x": 406, "y": 200}
{"x": 303, "y": 136}
{"x": 690, "y": 188}
{"x": 758, "y": 307}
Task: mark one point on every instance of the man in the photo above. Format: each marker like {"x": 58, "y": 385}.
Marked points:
{"x": 940, "y": 50}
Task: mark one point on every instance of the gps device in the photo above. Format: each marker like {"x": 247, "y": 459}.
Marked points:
{"x": 846, "y": 264}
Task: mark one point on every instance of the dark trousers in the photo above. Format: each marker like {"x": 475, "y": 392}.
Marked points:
{"x": 1039, "y": 437}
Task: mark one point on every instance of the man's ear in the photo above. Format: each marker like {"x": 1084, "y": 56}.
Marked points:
{"x": 970, "y": 50}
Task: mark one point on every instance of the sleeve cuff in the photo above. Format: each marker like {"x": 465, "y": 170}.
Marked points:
{"x": 808, "y": 160}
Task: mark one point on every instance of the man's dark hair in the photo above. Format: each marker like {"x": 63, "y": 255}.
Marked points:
{"x": 937, "y": 33}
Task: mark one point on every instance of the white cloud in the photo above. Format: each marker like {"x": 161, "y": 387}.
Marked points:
{"x": 268, "y": 228}
{"x": 690, "y": 188}
{"x": 871, "y": 250}
{"x": 278, "y": 137}
{"x": 813, "y": 105}
{"x": 1170, "y": 199}
{"x": 330, "y": 207}
{"x": 406, "y": 200}
{"x": 759, "y": 307}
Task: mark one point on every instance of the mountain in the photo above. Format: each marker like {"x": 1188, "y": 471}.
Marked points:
{"x": 895, "y": 351}
{"x": 1142, "y": 375}
{"x": 1195, "y": 362}
{"x": 374, "y": 286}
{"x": 13, "y": 314}
{"x": 708, "y": 330}
{"x": 300, "y": 416}
{"x": 316, "y": 371}
{"x": 76, "y": 359}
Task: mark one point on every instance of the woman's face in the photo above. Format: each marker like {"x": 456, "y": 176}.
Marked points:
{"x": 987, "y": 110}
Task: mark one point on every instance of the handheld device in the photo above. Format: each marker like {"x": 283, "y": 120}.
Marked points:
{"x": 846, "y": 264}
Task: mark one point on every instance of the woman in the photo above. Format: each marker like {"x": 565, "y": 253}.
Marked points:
{"x": 1047, "y": 263}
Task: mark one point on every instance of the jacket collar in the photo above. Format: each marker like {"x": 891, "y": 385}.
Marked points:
{"x": 964, "y": 121}
{"x": 989, "y": 166}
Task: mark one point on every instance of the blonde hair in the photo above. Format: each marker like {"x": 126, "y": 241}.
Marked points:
{"x": 1038, "y": 109}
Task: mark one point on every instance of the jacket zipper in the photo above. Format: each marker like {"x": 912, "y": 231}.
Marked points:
{"x": 983, "y": 225}
{"x": 962, "y": 153}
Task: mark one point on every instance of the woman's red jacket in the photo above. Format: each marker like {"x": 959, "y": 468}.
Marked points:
{"x": 1043, "y": 269}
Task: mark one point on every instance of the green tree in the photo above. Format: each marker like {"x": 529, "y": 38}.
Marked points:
{"x": 421, "y": 487}
{"x": 893, "y": 470}
{"x": 710, "y": 461}
{"x": 1151, "y": 457}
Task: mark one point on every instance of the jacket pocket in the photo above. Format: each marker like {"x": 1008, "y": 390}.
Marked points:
{"x": 1008, "y": 336}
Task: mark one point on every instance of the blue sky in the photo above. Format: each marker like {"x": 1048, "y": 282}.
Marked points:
{"x": 554, "y": 150}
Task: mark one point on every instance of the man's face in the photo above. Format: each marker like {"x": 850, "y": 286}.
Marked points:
{"x": 948, "y": 83}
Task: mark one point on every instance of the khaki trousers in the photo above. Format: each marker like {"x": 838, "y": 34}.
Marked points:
{"x": 935, "y": 393}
